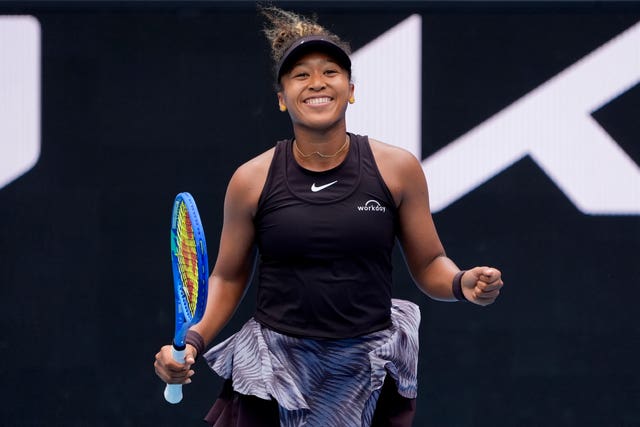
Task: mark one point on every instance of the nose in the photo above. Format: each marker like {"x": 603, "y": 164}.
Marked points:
{"x": 316, "y": 82}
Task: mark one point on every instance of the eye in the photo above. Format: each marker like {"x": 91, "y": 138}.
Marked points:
{"x": 300, "y": 74}
{"x": 331, "y": 72}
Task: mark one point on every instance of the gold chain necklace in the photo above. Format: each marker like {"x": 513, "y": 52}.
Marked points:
{"x": 319, "y": 154}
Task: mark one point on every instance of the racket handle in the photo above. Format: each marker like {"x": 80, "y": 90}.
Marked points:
{"x": 173, "y": 392}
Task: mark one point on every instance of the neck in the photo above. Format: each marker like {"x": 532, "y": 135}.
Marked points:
{"x": 325, "y": 141}
{"x": 320, "y": 150}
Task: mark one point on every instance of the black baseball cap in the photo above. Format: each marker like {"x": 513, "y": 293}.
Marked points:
{"x": 310, "y": 43}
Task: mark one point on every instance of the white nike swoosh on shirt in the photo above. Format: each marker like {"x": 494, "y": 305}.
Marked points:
{"x": 321, "y": 187}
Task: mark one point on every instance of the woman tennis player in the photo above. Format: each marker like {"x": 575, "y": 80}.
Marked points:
{"x": 327, "y": 346}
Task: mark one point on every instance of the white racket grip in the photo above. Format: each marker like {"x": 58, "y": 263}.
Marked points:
{"x": 173, "y": 392}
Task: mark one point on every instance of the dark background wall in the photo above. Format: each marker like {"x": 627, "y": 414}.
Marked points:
{"x": 142, "y": 101}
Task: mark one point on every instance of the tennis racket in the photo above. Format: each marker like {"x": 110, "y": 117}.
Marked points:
{"x": 190, "y": 275}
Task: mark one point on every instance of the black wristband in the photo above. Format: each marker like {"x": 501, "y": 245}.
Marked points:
{"x": 196, "y": 340}
{"x": 456, "y": 286}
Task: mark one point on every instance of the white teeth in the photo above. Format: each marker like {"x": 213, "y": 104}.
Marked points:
{"x": 317, "y": 100}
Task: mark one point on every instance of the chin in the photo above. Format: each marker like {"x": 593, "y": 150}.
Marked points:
{"x": 320, "y": 125}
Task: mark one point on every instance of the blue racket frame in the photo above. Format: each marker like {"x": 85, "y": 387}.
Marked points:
{"x": 184, "y": 319}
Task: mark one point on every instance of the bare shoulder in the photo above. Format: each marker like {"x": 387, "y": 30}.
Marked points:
{"x": 248, "y": 180}
{"x": 392, "y": 155}
{"x": 397, "y": 166}
{"x": 256, "y": 168}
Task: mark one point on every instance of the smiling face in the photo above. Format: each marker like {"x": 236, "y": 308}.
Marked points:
{"x": 316, "y": 91}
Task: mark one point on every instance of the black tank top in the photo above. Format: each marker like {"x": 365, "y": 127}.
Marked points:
{"x": 325, "y": 241}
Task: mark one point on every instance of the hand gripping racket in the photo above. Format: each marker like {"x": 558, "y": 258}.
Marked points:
{"x": 190, "y": 276}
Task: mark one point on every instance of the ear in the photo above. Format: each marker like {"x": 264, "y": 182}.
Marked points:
{"x": 352, "y": 90}
{"x": 281, "y": 102}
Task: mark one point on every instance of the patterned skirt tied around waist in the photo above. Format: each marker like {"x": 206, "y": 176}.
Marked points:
{"x": 322, "y": 382}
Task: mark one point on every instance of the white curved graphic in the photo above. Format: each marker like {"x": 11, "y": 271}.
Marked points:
{"x": 19, "y": 96}
{"x": 552, "y": 124}
{"x": 388, "y": 80}
{"x": 371, "y": 206}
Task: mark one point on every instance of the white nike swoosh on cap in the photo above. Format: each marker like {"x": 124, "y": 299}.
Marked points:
{"x": 315, "y": 188}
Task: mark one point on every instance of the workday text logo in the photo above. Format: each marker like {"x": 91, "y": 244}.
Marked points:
{"x": 371, "y": 206}
{"x": 19, "y": 96}
{"x": 552, "y": 124}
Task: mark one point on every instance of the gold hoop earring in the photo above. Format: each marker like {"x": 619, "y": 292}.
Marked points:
{"x": 352, "y": 100}
{"x": 283, "y": 108}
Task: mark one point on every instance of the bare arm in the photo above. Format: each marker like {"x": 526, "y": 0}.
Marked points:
{"x": 430, "y": 268}
{"x": 233, "y": 267}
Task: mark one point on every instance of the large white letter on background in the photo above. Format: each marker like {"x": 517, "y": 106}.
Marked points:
{"x": 388, "y": 80}
{"x": 552, "y": 123}
{"x": 19, "y": 96}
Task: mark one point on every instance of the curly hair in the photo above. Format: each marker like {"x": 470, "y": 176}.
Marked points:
{"x": 284, "y": 27}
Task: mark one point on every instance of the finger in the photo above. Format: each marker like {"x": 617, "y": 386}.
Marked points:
{"x": 490, "y": 275}
{"x": 178, "y": 379}
{"x": 168, "y": 376}
{"x": 165, "y": 359}
{"x": 179, "y": 369}
{"x": 497, "y": 281}
{"x": 187, "y": 379}
{"x": 484, "y": 299}
{"x": 487, "y": 287}
{"x": 488, "y": 295}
